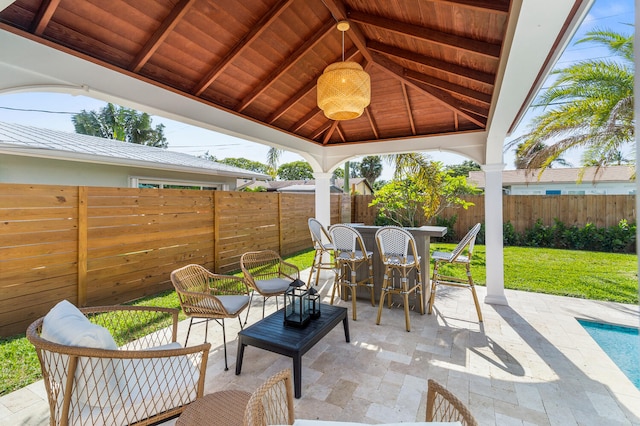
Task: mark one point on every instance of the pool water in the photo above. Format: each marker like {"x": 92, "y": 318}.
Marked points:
{"x": 622, "y": 344}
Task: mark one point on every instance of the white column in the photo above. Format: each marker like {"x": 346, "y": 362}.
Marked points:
{"x": 493, "y": 233}
{"x": 323, "y": 198}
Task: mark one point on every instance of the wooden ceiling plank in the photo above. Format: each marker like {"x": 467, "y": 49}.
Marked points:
{"x": 499, "y": 6}
{"x": 437, "y": 64}
{"x": 286, "y": 65}
{"x": 169, "y": 23}
{"x": 339, "y": 12}
{"x": 304, "y": 120}
{"x": 256, "y": 30}
{"x": 42, "y": 18}
{"x": 372, "y": 123}
{"x": 407, "y": 103}
{"x": 311, "y": 85}
{"x": 448, "y": 86}
{"x": 427, "y": 34}
{"x": 448, "y": 101}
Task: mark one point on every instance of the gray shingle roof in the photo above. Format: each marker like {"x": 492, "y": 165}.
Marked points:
{"x": 17, "y": 139}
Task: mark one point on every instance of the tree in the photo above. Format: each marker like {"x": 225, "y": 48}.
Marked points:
{"x": 244, "y": 163}
{"x": 462, "y": 169}
{"x": 296, "y": 170}
{"x": 273, "y": 157}
{"x": 590, "y": 105}
{"x": 371, "y": 168}
{"x": 437, "y": 189}
{"x": 124, "y": 124}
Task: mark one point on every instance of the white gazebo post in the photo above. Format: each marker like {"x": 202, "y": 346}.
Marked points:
{"x": 493, "y": 233}
{"x": 323, "y": 197}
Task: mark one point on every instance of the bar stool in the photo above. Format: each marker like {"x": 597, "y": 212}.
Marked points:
{"x": 351, "y": 255}
{"x": 324, "y": 247}
{"x": 400, "y": 257}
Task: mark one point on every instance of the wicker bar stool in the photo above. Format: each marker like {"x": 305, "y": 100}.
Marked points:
{"x": 351, "y": 255}
{"x": 324, "y": 247}
{"x": 400, "y": 257}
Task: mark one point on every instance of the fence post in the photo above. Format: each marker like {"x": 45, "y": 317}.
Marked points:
{"x": 82, "y": 245}
{"x": 216, "y": 229}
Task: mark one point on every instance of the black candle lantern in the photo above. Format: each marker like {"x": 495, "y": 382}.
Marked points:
{"x": 296, "y": 305}
{"x": 314, "y": 303}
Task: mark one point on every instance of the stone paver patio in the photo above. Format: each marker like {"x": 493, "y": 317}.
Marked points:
{"x": 529, "y": 363}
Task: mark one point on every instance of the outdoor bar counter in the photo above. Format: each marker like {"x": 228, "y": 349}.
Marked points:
{"x": 422, "y": 236}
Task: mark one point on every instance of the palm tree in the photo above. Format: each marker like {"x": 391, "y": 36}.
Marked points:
{"x": 591, "y": 106}
{"x": 273, "y": 157}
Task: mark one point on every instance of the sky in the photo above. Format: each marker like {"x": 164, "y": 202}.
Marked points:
{"x": 54, "y": 110}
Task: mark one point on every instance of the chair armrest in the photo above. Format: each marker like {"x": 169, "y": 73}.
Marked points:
{"x": 289, "y": 270}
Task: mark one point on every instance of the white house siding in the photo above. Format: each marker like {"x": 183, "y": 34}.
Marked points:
{"x": 605, "y": 188}
{"x": 30, "y": 170}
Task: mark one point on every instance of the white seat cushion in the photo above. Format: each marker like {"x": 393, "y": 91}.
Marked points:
{"x": 273, "y": 285}
{"x": 233, "y": 304}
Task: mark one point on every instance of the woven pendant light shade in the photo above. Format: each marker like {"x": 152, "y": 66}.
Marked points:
{"x": 344, "y": 91}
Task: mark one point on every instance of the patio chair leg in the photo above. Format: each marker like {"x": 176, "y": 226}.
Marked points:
{"x": 188, "y": 331}
{"x": 246, "y": 318}
{"x": 224, "y": 341}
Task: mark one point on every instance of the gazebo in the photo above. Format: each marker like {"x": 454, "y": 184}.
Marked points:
{"x": 447, "y": 75}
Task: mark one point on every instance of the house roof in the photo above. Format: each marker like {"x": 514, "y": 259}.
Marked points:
{"x": 16, "y": 139}
{"x": 307, "y": 188}
{"x": 561, "y": 175}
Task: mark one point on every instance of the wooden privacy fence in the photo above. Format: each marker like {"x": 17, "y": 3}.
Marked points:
{"x": 102, "y": 246}
{"x": 524, "y": 210}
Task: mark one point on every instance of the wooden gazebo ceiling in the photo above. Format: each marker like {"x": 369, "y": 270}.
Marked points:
{"x": 432, "y": 63}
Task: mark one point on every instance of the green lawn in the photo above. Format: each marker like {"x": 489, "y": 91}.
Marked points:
{"x": 589, "y": 275}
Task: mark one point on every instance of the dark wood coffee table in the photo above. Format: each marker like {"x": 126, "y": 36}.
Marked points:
{"x": 272, "y": 335}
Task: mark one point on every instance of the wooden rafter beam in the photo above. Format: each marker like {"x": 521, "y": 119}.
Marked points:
{"x": 437, "y": 64}
{"x": 427, "y": 34}
{"x": 499, "y": 6}
{"x": 256, "y": 31}
{"x": 339, "y": 12}
{"x": 169, "y": 23}
{"x": 45, "y": 12}
{"x": 407, "y": 104}
{"x": 304, "y": 120}
{"x": 329, "y": 133}
{"x": 485, "y": 98}
{"x": 372, "y": 123}
{"x": 311, "y": 85}
{"x": 395, "y": 70}
{"x": 286, "y": 65}
{"x": 320, "y": 130}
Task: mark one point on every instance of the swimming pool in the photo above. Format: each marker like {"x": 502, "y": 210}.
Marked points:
{"x": 622, "y": 344}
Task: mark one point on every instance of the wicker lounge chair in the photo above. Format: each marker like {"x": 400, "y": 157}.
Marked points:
{"x": 400, "y": 257}
{"x": 351, "y": 255}
{"x": 272, "y": 402}
{"x": 456, "y": 257}
{"x": 265, "y": 272}
{"x": 324, "y": 248}
{"x": 209, "y": 296}
{"x": 443, "y": 406}
{"x": 141, "y": 378}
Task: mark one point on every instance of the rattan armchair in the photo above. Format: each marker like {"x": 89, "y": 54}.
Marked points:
{"x": 266, "y": 273}
{"x": 146, "y": 378}
{"x": 456, "y": 258}
{"x": 400, "y": 257}
{"x": 272, "y": 402}
{"x": 324, "y": 258}
{"x": 210, "y": 296}
{"x": 443, "y": 406}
